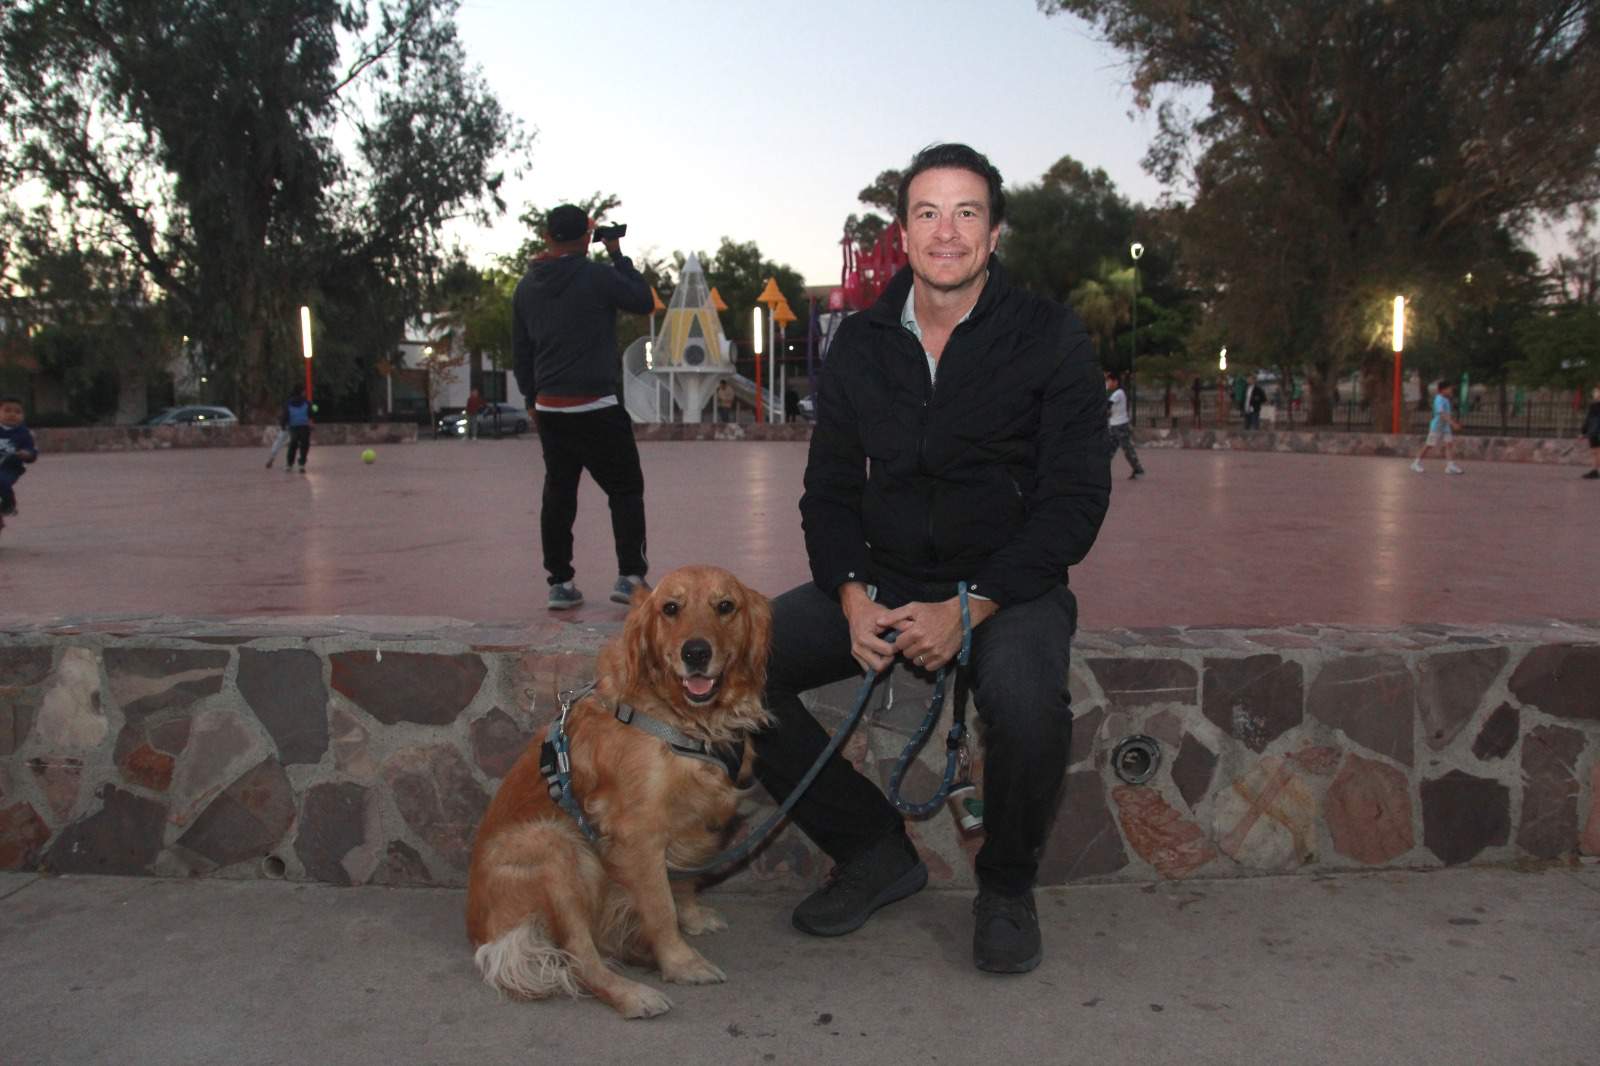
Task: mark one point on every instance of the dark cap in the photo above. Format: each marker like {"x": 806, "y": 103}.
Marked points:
{"x": 566, "y": 223}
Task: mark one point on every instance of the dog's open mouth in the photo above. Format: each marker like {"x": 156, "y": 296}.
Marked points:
{"x": 700, "y": 688}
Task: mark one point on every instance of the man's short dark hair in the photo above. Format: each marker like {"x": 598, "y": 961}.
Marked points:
{"x": 960, "y": 157}
{"x": 12, "y": 399}
{"x": 1115, "y": 376}
{"x": 566, "y": 223}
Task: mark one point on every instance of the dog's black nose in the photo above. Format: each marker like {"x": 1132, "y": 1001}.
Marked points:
{"x": 696, "y": 654}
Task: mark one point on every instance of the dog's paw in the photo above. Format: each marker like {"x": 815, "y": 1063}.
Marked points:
{"x": 642, "y": 1001}
{"x": 701, "y": 920}
{"x": 693, "y": 969}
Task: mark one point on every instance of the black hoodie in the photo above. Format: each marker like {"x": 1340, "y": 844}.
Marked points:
{"x": 564, "y": 325}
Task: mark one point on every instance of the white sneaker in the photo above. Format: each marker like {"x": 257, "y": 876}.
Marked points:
{"x": 1451, "y": 468}
{"x": 1417, "y": 465}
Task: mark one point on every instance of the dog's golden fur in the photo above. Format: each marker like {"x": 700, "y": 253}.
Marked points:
{"x": 545, "y": 907}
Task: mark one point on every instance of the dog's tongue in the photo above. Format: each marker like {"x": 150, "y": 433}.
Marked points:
{"x": 699, "y": 686}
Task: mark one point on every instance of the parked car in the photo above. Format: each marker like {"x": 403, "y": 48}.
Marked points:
{"x": 512, "y": 420}
{"x": 192, "y": 415}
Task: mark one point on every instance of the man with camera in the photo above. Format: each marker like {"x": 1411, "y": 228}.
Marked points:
{"x": 564, "y": 342}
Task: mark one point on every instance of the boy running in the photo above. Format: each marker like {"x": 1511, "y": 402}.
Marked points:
{"x": 1441, "y": 431}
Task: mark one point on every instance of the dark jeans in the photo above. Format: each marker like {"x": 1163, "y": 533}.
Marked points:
{"x": 299, "y": 437}
{"x": 1020, "y": 658}
{"x": 1252, "y": 419}
{"x": 10, "y": 471}
{"x": 602, "y": 443}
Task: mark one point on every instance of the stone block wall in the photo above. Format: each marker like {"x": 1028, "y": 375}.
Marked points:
{"x": 65, "y": 440}
{"x": 365, "y": 751}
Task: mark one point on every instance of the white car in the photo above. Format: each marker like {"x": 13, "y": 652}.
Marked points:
{"x": 192, "y": 415}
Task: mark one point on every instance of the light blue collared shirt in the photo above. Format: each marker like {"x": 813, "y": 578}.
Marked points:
{"x": 908, "y": 319}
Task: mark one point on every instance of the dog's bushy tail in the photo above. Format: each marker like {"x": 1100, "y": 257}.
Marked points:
{"x": 526, "y": 964}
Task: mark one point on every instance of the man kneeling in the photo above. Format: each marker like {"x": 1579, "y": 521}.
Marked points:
{"x": 960, "y": 436}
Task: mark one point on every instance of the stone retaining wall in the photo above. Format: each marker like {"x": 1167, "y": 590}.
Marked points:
{"x": 1569, "y": 451}
{"x": 60, "y": 440}
{"x": 1329, "y": 442}
{"x": 365, "y": 751}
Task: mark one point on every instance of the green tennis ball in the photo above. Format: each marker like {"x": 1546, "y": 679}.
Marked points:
{"x": 369, "y": 456}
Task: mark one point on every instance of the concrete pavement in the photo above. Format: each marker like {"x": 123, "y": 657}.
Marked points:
{"x": 1457, "y": 966}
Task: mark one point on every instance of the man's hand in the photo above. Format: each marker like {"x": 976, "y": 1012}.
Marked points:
{"x": 863, "y": 615}
{"x": 614, "y": 247}
{"x": 930, "y": 633}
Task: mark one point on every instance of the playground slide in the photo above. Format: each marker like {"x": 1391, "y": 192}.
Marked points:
{"x": 646, "y": 394}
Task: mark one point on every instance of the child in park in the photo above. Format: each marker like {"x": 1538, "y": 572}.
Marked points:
{"x": 16, "y": 450}
{"x": 1118, "y": 423}
{"x": 296, "y": 418}
{"x": 1441, "y": 430}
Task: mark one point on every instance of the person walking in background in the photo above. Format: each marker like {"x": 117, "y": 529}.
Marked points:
{"x": 1118, "y": 424}
{"x": 725, "y": 401}
{"x": 296, "y": 418}
{"x": 1591, "y": 431}
{"x": 474, "y": 409}
{"x": 1255, "y": 399}
{"x": 277, "y": 445}
{"x": 564, "y": 340}
{"x": 1441, "y": 431}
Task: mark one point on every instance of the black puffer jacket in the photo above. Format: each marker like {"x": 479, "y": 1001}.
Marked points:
{"x": 999, "y": 475}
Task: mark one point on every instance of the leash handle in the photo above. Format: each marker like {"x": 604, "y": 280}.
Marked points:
{"x": 954, "y": 741}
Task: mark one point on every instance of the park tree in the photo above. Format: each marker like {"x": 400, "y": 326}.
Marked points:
{"x": 1349, "y": 151}
{"x": 1069, "y": 228}
{"x": 250, "y": 158}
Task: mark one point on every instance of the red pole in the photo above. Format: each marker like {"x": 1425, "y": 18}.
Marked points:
{"x": 759, "y": 418}
{"x": 1395, "y": 427}
{"x": 308, "y": 381}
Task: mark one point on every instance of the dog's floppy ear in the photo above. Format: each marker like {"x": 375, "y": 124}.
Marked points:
{"x": 758, "y": 637}
{"x": 638, "y": 633}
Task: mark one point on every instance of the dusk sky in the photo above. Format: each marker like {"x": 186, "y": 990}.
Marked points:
{"x": 760, "y": 122}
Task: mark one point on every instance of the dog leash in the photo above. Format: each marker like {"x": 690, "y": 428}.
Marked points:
{"x": 953, "y": 744}
{"x": 556, "y": 764}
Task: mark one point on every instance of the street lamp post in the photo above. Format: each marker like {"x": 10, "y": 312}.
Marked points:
{"x": 1222, "y": 388}
{"x": 1135, "y": 250}
{"x": 305, "y": 341}
{"x": 755, "y": 332}
{"x": 1399, "y": 346}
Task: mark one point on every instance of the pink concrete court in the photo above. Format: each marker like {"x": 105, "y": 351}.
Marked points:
{"x": 451, "y": 529}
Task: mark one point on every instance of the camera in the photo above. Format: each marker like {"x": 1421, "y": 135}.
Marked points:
{"x": 610, "y": 233}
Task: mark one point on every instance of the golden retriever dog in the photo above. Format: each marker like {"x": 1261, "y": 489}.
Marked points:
{"x": 546, "y": 908}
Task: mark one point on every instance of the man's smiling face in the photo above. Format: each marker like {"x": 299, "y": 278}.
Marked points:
{"x": 948, "y": 233}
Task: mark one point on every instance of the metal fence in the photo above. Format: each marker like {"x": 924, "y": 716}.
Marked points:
{"x": 1484, "y": 416}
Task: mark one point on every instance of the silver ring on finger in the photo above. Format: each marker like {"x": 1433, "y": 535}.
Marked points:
{"x": 919, "y": 660}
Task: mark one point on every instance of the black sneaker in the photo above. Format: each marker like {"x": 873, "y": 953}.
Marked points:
{"x": 1593, "y": 475}
{"x": 1005, "y": 933}
{"x": 885, "y": 872}
{"x": 1136, "y": 474}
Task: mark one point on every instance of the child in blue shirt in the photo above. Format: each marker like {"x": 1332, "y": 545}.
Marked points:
{"x": 16, "y": 449}
{"x": 1441, "y": 431}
